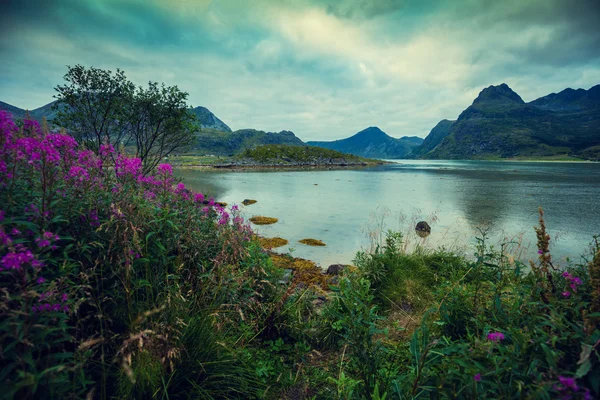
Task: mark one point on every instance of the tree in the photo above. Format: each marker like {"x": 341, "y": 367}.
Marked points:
{"x": 101, "y": 107}
{"x": 160, "y": 122}
{"x": 92, "y": 106}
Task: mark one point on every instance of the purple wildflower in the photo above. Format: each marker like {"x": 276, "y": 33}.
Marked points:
{"x": 477, "y": 377}
{"x": 495, "y": 336}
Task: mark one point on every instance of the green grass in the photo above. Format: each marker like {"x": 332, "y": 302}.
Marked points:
{"x": 300, "y": 154}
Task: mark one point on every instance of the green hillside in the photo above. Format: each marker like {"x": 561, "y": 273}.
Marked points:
{"x": 285, "y": 154}
{"x": 211, "y": 141}
{"x": 499, "y": 124}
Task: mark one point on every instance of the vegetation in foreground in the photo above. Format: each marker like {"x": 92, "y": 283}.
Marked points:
{"x": 117, "y": 284}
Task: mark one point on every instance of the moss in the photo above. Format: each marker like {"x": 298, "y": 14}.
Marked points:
{"x": 271, "y": 243}
{"x": 305, "y": 271}
{"x": 260, "y": 220}
{"x": 247, "y": 202}
{"x": 312, "y": 242}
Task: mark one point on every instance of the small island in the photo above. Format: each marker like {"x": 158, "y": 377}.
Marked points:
{"x": 276, "y": 156}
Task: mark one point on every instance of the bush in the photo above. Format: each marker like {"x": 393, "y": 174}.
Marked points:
{"x": 101, "y": 265}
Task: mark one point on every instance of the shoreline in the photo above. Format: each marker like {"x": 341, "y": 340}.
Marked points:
{"x": 276, "y": 167}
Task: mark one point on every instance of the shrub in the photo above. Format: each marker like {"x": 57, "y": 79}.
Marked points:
{"x": 101, "y": 264}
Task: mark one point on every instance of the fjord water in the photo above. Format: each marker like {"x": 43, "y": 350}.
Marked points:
{"x": 341, "y": 207}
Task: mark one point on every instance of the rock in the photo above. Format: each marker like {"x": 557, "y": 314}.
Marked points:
{"x": 247, "y": 202}
{"x": 335, "y": 269}
{"x": 311, "y": 242}
{"x": 271, "y": 243}
{"x": 260, "y": 220}
{"x": 423, "y": 229}
{"x": 287, "y": 276}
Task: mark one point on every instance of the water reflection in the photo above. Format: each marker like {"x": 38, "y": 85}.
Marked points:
{"x": 336, "y": 205}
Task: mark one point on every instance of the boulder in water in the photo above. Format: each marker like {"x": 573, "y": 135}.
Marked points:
{"x": 423, "y": 229}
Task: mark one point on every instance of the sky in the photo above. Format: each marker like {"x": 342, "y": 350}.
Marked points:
{"x": 324, "y": 69}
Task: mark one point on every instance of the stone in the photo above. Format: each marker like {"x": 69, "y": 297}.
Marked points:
{"x": 287, "y": 276}
{"x": 423, "y": 229}
{"x": 335, "y": 269}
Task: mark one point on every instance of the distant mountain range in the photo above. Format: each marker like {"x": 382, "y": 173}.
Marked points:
{"x": 499, "y": 124}
{"x": 214, "y": 137}
{"x": 37, "y": 114}
{"x": 373, "y": 143}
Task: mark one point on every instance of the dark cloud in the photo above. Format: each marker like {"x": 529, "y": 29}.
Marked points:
{"x": 323, "y": 68}
{"x": 364, "y": 8}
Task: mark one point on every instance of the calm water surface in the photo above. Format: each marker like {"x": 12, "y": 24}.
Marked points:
{"x": 345, "y": 208}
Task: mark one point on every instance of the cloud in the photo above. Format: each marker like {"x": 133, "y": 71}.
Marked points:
{"x": 322, "y": 68}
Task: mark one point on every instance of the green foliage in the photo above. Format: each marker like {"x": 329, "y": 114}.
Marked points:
{"x": 284, "y": 154}
{"x": 92, "y": 104}
{"x": 215, "y": 142}
{"x": 101, "y": 107}
{"x": 159, "y": 123}
{"x": 405, "y": 281}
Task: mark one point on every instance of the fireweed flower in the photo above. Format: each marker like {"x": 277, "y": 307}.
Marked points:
{"x": 566, "y": 294}
{"x": 495, "y": 337}
{"x": 93, "y": 218}
{"x": 125, "y": 166}
{"x": 477, "y": 378}
{"x": 106, "y": 150}
{"x": 164, "y": 169}
{"x": 5, "y": 240}
{"x": 40, "y": 280}
{"x": 16, "y": 260}
{"x": 567, "y": 384}
{"x": 198, "y": 197}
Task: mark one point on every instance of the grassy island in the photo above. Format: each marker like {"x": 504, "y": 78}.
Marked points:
{"x": 119, "y": 284}
{"x": 273, "y": 156}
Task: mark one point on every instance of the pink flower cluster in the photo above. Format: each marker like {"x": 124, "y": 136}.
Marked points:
{"x": 495, "y": 336}
{"x": 19, "y": 257}
{"x": 47, "y": 239}
{"x": 125, "y": 166}
{"x": 68, "y": 172}
{"x": 573, "y": 282}
{"x": 568, "y": 389}
{"x": 49, "y": 302}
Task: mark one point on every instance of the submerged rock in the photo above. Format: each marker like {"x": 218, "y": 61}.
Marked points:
{"x": 247, "y": 202}
{"x": 287, "y": 276}
{"x": 312, "y": 242}
{"x": 271, "y": 243}
{"x": 423, "y": 229}
{"x": 335, "y": 269}
{"x": 260, "y": 220}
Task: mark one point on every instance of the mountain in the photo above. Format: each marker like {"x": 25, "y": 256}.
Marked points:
{"x": 499, "y": 124}
{"x": 37, "y": 114}
{"x": 211, "y": 141}
{"x": 373, "y": 143}
{"x": 208, "y": 120}
{"x": 205, "y": 118}
{"x": 437, "y": 134}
